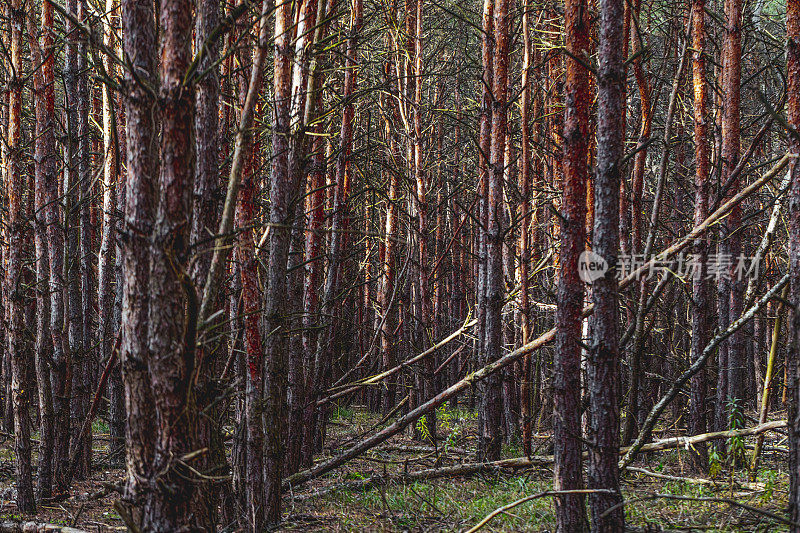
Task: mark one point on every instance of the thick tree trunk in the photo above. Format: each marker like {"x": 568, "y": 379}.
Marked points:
{"x": 603, "y": 373}
{"x": 139, "y": 44}
{"x": 14, "y": 287}
{"x": 173, "y": 307}
{"x": 570, "y": 511}
{"x": 42, "y": 53}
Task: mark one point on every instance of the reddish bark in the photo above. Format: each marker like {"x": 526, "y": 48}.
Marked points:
{"x": 20, "y": 388}
{"x": 170, "y": 504}
{"x": 139, "y": 44}
{"x": 603, "y": 373}
{"x": 45, "y": 161}
{"x": 570, "y": 512}
{"x": 731, "y": 288}
{"x": 700, "y": 292}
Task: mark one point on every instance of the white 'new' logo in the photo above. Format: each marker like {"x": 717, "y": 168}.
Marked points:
{"x": 591, "y": 266}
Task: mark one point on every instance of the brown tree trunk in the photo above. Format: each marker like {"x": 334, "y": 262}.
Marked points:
{"x": 139, "y": 44}
{"x": 14, "y": 287}
{"x": 42, "y": 53}
{"x": 281, "y": 195}
{"x": 246, "y": 212}
{"x": 388, "y": 283}
{"x": 570, "y": 511}
{"x": 731, "y": 288}
{"x": 603, "y": 373}
{"x": 525, "y": 227}
{"x": 793, "y": 372}
{"x": 491, "y": 403}
{"x": 173, "y": 307}
{"x": 207, "y": 142}
{"x": 105, "y": 293}
{"x": 79, "y": 253}
{"x": 700, "y": 288}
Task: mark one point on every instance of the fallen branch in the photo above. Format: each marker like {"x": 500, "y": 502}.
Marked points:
{"x": 511, "y": 505}
{"x": 517, "y": 463}
{"x": 408, "y": 362}
{"x": 10, "y": 526}
{"x": 688, "y": 442}
{"x": 691, "y": 480}
{"x": 734, "y": 503}
{"x": 469, "y": 380}
{"x": 659, "y": 407}
{"x": 98, "y": 395}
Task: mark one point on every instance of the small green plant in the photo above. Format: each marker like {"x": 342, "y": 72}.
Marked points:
{"x": 422, "y": 427}
{"x": 342, "y": 413}
{"x": 450, "y": 423}
{"x": 100, "y": 426}
{"x": 714, "y": 463}
{"x": 769, "y": 486}
{"x": 736, "y": 445}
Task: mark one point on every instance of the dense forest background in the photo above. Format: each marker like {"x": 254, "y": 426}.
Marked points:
{"x": 420, "y": 264}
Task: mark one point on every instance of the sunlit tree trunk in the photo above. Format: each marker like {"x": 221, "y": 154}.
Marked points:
{"x": 700, "y": 286}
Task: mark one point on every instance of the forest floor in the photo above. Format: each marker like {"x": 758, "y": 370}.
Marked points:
{"x": 350, "y": 499}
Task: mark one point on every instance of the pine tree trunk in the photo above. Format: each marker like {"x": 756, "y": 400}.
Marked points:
{"x": 42, "y": 53}
{"x": 171, "y": 505}
{"x": 700, "y": 288}
{"x": 570, "y": 511}
{"x": 139, "y": 44}
{"x": 14, "y": 287}
{"x": 793, "y": 372}
{"x": 491, "y": 403}
{"x": 603, "y": 373}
